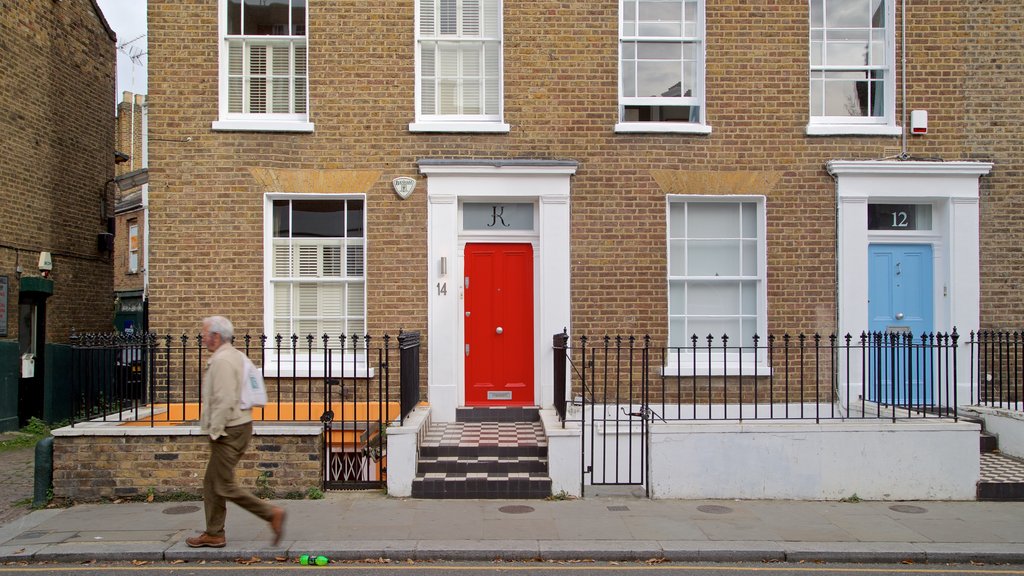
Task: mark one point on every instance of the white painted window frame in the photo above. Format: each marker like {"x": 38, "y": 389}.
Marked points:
{"x": 228, "y": 121}
{"x": 314, "y": 365}
{"x": 699, "y": 127}
{"x": 459, "y": 123}
{"x": 733, "y": 363}
{"x": 858, "y": 125}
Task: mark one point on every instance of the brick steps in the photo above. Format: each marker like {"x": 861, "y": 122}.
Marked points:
{"x": 487, "y": 453}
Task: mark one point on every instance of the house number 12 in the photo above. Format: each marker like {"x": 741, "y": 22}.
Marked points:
{"x": 899, "y": 219}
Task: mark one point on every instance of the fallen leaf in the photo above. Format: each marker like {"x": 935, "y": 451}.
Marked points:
{"x": 139, "y": 562}
{"x": 253, "y": 560}
{"x": 177, "y": 561}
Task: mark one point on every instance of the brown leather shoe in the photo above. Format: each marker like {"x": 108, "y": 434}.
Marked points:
{"x": 277, "y": 525}
{"x": 207, "y": 541}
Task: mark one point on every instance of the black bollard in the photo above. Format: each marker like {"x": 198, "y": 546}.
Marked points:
{"x": 44, "y": 472}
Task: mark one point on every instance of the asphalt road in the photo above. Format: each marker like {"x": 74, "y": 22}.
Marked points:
{"x": 564, "y": 568}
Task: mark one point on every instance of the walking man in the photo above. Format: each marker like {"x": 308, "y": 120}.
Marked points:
{"x": 230, "y": 429}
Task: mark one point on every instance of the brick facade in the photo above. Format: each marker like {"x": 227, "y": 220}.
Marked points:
{"x": 560, "y": 98}
{"x": 58, "y": 86}
{"x": 95, "y": 467}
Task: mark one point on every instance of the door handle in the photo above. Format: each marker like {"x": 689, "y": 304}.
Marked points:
{"x": 499, "y": 330}
{"x": 899, "y": 315}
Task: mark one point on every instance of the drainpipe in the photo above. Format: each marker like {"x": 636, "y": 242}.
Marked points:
{"x": 904, "y": 155}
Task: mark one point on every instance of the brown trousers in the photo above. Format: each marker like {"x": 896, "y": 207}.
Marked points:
{"x": 219, "y": 484}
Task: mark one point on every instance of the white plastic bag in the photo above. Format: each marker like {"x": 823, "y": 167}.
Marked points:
{"x": 254, "y": 391}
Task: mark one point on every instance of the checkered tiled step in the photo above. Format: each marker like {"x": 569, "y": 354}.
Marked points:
{"x": 491, "y": 487}
{"x": 483, "y": 459}
{"x": 476, "y": 439}
{"x": 484, "y": 464}
{"x": 1002, "y": 477}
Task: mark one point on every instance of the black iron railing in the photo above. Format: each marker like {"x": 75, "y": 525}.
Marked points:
{"x": 997, "y": 375}
{"x": 876, "y": 375}
{"x": 158, "y": 379}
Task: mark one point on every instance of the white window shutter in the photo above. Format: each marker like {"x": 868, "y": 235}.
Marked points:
{"x": 354, "y": 302}
{"x": 281, "y": 264}
{"x": 492, "y": 73}
{"x": 236, "y": 80}
{"x": 471, "y": 18}
{"x": 354, "y": 259}
{"x": 308, "y": 260}
{"x": 301, "y": 78}
{"x": 428, "y": 15}
{"x": 428, "y": 83}
{"x": 448, "y": 17}
{"x": 491, "y": 15}
{"x": 471, "y": 79}
{"x": 257, "y": 99}
{"x": 332, "y": 309}
{"x": 331, "y": 260}
{"x": 282, "y": 300}
{"x": 280, "y": 70}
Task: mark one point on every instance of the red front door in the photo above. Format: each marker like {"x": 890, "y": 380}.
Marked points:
{"x": 499, "y": 324}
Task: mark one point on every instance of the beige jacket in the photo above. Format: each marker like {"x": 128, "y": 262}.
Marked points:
{"x": 222, "y": 391}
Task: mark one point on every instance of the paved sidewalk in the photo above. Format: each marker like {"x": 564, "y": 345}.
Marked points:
{"x": 361, "y": 525}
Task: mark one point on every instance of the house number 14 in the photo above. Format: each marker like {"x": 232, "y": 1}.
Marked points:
{"x": 442, "y": 288}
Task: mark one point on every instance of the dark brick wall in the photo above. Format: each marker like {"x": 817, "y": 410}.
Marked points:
{"x": 56, "y": 106}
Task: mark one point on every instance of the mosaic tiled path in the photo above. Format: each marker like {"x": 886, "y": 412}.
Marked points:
{"x": 1002, "y": 477}
{"x": 485, "y": 453}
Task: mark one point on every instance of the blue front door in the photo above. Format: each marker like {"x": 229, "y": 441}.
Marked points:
{"x": 899, "y": 303}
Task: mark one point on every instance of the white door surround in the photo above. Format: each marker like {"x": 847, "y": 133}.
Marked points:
{"x": 951, "y": 188}
{"x": 545, "y": 183}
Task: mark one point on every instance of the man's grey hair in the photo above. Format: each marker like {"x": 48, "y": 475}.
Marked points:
{"x": 220, "y": 325}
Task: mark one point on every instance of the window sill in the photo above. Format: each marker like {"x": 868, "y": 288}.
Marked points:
{"x": 717, "y": 369}
{"x": 661, "y": 128}
{"x": 484, "y": 127}
{"x": 853, "y": 130}
{"x": 262, "y": 126}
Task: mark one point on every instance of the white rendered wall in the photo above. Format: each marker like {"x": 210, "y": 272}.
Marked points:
{"x": 952, "y": 189}
{"x": 876, "y": 460}
{"x": 1006, "y": 425}
{"x": 448, "y": 182}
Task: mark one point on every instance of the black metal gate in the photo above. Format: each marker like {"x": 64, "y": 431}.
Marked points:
{"x": 608, "y": 396}
{"x": 360, "y": 403}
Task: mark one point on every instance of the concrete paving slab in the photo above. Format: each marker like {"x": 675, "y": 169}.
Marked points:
{"x": 657, "y": 528}
{"x": 19, "y": 553}
{"x": 113, "y": 551}
{"x": 42, "y": 537}
{"x": 124, "y": 536}
{"x": 951, "y": 530}
{"x": 23, "y": 524}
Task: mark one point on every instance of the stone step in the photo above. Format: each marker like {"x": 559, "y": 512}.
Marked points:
{"x": 484, "y": 459}
{"x": 1002, "y": 477}
{"x": 517, "y": 486}
{"x": 491, "y": 439}
{"x": 484, "y": 464}
{"x": 497, "y": 414}
{"x": 989, "y": 443}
